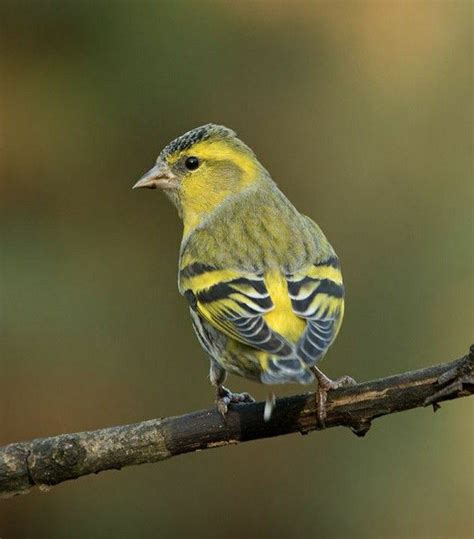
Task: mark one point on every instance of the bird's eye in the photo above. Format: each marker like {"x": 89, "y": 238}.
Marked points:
{"x": 191, "y": 163}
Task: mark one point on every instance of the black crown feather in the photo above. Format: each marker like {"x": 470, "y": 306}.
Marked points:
{"x": 197, "y": 134}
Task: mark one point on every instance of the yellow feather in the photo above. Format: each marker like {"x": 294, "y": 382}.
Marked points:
{"x": 200, "y": 193}
{"x": 262, "y": 358}
{"x": 282, "y": 319}
{"x": 208, "y": 279}
{"x": 221, "y": 150}
{"x": 325, "y": 272}
{"x": 340, "y": 318}
{"x": 195, "y": 205}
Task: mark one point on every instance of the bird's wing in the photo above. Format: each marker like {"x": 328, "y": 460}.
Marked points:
{"x": 317, "y": 295}
{"x": 235, "y": 303}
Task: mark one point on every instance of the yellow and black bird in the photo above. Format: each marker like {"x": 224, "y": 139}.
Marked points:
{"x": 263, "y": 283}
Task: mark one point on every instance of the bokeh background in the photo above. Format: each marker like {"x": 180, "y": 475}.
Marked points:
{"x": 362, "y": 111}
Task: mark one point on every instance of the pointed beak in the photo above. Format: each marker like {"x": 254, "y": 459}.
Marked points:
{"x": 159, "y": 176}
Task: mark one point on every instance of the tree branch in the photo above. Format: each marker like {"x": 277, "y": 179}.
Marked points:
{"x": 49, "y": 461}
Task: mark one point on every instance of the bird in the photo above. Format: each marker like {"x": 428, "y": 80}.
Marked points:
{"x": 263, "y": 284}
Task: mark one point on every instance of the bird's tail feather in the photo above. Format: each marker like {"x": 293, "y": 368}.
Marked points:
{"x": 286, "y": 370}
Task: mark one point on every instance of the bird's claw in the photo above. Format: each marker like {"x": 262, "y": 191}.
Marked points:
{"x": 325, "y": 384}
{"x": 343, "y": 381}
{"x": 225, "y": 397}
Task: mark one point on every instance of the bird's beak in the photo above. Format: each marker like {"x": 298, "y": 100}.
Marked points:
{"x": 159, "y": 176}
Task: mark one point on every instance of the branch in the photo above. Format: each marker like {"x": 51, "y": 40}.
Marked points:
{"x": 49, "y": 461}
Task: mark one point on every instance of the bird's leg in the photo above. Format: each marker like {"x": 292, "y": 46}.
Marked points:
{"x": 224, "y": 397}
{"x": 325, "y": 384}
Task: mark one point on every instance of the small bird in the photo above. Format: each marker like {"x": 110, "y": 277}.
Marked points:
{"x": 264, "y": 285}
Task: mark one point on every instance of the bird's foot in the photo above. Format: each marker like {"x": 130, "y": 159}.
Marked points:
{"x": 224, "y": 397}
{"x": 325, "y": 384}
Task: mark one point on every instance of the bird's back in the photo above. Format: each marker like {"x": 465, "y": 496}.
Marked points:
{"x": 258, "y": 231}
{"x": 259, "y": 240}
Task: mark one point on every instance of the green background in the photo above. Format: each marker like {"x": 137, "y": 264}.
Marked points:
{"x": 362, "y": 113}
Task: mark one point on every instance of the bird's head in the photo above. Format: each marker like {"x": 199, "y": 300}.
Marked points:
{"x": 201, "y": 169}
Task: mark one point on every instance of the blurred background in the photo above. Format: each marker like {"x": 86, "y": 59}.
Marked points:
{"x": 362, "y": 111}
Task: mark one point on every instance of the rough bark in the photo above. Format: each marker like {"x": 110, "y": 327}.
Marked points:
{"x": 48, "y": 461}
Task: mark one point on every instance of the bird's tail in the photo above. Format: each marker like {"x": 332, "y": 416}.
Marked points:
{"x": 286, "y": 370}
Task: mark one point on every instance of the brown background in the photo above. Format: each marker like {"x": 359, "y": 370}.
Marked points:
{"x": 362, "y": 112}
